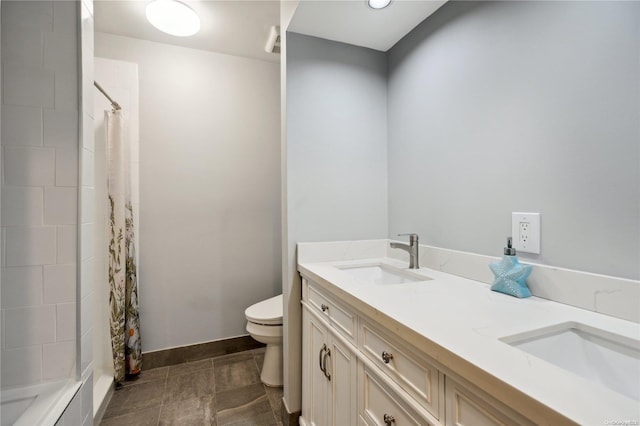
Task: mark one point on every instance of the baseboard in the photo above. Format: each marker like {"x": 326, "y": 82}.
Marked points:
{"x": 287, "y": 418}
{"x": 173, "y": 356}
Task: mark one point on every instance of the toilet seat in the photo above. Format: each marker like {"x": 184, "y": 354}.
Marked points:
{"x": 264, "y": 332}
{"x": 267, "y": 312}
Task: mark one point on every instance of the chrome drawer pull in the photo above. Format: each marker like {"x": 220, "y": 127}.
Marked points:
{"x": 322, "y": 349}
{"x": 388, "y": 420}
{"x": 324, "y": 363}
{"x": 324, "y": 307}
{"x": 386, "y": 357}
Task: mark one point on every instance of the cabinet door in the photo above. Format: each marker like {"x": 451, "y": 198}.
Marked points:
{"x": 342, "y": 369}
{"x": 315, "y": 386}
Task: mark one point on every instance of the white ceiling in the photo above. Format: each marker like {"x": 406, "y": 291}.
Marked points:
{"x": 241, "y": 27}
{"x": 237, "y": 27}
{"x": 353, "y": 22}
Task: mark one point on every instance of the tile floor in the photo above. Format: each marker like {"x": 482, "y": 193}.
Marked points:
{"x": 225, "y": 390}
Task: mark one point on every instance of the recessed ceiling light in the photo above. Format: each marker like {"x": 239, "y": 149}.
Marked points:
{"x": 378, "y": 4}
{"x": 173, "y": 17}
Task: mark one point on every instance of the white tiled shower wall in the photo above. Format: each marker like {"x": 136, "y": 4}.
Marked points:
{"x": 39, "y": 190}
{"x": 41, "y": 121}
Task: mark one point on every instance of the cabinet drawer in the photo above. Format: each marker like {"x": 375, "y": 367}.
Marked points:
{"x": 338, "y": 316}
{"x": 471, "y": 408}
{"x": 419, "y": 378}
{"x": 381, "y": 406}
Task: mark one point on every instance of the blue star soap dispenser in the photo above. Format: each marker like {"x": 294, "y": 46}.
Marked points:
{"x": 510, "y": 275}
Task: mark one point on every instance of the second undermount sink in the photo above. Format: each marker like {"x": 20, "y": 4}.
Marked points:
{"x": 382, "y": 274}
{"x": 597, "y": 355}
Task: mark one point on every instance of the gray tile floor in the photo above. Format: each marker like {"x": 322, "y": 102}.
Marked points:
{"x": 224, "y": 390}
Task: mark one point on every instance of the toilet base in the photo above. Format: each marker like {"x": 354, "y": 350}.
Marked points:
{"x": 272, "y": 366}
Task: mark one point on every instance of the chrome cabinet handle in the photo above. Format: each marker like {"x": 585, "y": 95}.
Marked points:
{"x": 324, "y": 307}
{"x": 388, "y": 419}
{"x": 324, "y": 363}
{"x": 320, "y": 357}
{"x": 386, "y": 357}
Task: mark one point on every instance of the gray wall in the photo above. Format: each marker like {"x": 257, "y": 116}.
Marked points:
{"x": 336, "y": 161}
{"x": 336, "y": 133}
{"x": 520, "y": 106}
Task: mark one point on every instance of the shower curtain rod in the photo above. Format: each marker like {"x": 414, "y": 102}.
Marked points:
{"x": 114, "y": 104}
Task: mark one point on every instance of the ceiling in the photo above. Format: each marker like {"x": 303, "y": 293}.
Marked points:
{"x": 354, "y": 22}
{"x": 241, "y": 27}
{"x": 238, "y": 27}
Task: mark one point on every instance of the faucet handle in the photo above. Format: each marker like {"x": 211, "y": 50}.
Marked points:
{"x": 412, "y": 236}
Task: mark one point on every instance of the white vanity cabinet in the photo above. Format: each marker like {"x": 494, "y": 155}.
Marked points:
{"x": 329, "y": 370}
{"x": 338, "y": 316}
{"x": 381, "y": 403}
{"x": 467, "y": 407}
{"x": 357, "y": 371}
{"x": 403, "y": 364}
{"x": 340, "y": 385}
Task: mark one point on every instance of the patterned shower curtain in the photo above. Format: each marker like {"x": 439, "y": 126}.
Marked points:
{"x": 123, "y": 283}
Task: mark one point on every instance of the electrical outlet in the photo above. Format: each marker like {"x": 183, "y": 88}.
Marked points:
{"x": 523, "y": 235}
{"x": 525, "y": 229}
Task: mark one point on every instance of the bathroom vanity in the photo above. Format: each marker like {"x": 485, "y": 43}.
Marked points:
{"x": 385, "y": 345}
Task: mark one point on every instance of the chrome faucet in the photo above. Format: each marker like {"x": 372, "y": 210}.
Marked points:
{"x": 411, "y": 248}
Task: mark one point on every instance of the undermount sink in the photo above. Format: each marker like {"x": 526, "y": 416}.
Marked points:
{"x": 381, "y": 274}
{"x": 597, "y": 355}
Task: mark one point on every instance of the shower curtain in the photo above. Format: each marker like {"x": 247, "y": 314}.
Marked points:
{"x": 123, "y": 295}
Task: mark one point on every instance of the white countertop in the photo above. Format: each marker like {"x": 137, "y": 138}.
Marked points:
{"x": 465, "y": 318}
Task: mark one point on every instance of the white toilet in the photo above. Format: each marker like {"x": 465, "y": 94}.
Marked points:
{"x": 264, "y": 323}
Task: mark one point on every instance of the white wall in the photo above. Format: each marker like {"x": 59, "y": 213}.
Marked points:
{"x": 497, "y": 107}
{"x": 336, "y": 165}
{"x": 209, "y": 189}
{"x": 291, "y": 330}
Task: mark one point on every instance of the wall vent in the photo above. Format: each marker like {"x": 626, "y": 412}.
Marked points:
{"x": 273, "y": 41}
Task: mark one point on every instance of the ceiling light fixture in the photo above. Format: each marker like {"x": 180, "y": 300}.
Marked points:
{"x": 173, "y": 17}
{"x": 378, "y": 4}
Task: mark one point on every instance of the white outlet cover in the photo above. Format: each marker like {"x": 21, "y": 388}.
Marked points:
{"x": 531, "y": 244}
